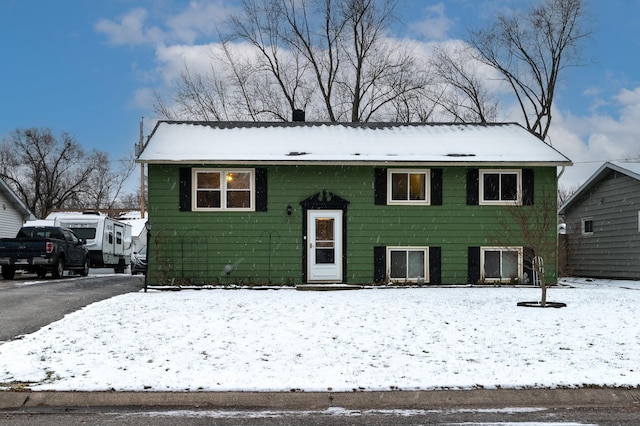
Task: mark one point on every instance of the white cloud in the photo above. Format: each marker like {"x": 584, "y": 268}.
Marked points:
{"x": 200, "y": 18}
{"x": 591, "y": 140}
{"x": 130, "y": 29}
{"x": 435, "y": 25}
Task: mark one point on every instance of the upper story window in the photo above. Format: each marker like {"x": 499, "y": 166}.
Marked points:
{"x": 220, "y": 189}
{"x": 500, "y": 187}
{"x": 408, "y": 186}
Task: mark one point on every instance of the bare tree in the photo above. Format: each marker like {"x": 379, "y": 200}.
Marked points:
{"x": 51, "y": 173}
{"x": 330, "y": 57}
{"x": 530, "y": 50}
{"x": 534, "y": 227}
{"x": 464, "y": 94}
{"x": 565, "y": 192}
{"x": 104, "y": 185}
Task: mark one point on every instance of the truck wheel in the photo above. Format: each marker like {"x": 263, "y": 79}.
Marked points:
{"x": 85, "y": 268}
{"x": 8, "y": 272}
{"x": 58, "y": 269}
{"x": 120, "y": 267}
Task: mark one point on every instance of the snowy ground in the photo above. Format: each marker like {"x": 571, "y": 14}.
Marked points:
{"x": 372, "y": 339}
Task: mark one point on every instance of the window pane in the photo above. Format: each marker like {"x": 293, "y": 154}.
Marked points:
{"x": 509, "y": 186}
{"x": 509, "y": 264}
{"x": 398, "y": 264}
{"x": 491, "y": 186}
{"x": 238, "y": 199}
{"x": 399, "y": 186}
{"x": 208, "y": 199}
{"x": 492, "y": 264}
{"x": 237, "y": 180}
{"x": 416, "y": 264}
{"x": 208, "y": 180}
{"x": 417, "y": 186}
{"x": 588, "y": 226}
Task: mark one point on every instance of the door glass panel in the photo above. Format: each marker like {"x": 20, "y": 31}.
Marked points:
{"x": 325, "y": 240}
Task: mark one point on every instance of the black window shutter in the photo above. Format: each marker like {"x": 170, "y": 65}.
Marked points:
{"x": 185, "y": 189}
{"x": 379, "y": 264}
{"x": 473, "y": 263}
{"x": 435, "y": 265}
{"x": 473, "y": 187}
{"x": 527, "y": 187}
{"x": 380, "y": 186}
{"x": 527, "y": 262}
{"x": 436, "y": 187}
{"x": 261, "y": 189}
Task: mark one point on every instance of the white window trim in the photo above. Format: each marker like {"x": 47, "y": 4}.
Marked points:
{"x": 424, "y": 249}
{"x": 517, "y": 201}
{"x": 427, "y": 187}
{"x": 223, "y": 195}
{"x": 582, "y": 225}
{"x": 520, "y": 251}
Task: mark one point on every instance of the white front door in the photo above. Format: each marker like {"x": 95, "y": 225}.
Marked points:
{"x": 324, "y": 246}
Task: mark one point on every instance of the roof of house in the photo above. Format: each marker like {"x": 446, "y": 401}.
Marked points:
{"x": 17, "y": 202}
{"x": 346, "y": 143}
{"x": 630, "y": 169}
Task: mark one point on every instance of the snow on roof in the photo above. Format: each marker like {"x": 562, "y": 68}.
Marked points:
{"x": 350, "y": 143}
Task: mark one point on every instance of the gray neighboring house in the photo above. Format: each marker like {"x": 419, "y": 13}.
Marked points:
{"x": 13, "y": 212}
{"x": 603, "y": 224}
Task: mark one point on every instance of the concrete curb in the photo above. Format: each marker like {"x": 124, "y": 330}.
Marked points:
{"x": 482, "y": 398}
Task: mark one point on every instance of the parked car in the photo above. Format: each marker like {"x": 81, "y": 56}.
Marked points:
{"x": 42, "y": 249}
{"x": 139, "y": 262}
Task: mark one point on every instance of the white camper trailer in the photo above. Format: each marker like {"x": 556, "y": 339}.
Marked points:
{"x": 108, "y": 240}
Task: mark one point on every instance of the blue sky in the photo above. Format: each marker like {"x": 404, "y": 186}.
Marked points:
{"x": 89, "y": 68}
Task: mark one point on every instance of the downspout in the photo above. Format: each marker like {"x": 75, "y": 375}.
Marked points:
{"x": 561, "y": 172}
{"x": 557, "y": 233}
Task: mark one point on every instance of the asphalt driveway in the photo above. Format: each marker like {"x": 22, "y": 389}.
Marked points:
{"x": 28, "y": 303}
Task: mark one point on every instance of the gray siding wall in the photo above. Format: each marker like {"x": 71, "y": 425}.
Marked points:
{"x": 613, "y": 250}
{"x": 10, "y": 219}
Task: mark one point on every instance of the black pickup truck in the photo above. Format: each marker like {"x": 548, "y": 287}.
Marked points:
{"x": 42, "y": 249}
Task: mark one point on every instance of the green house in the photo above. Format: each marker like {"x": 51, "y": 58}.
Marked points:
{"x": 287, "y": 203}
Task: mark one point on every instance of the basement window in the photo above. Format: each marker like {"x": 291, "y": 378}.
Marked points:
{"x": 408, "y": 263}
{"x": 501, "y": 264}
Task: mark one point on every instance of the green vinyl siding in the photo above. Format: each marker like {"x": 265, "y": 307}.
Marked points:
{"x": 262, "y": 246}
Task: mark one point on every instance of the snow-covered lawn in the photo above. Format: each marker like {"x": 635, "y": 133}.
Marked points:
{"x": 372, "y": 339}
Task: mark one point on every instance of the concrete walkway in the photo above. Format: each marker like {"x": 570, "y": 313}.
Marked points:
{"x": 483, "y": 398}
